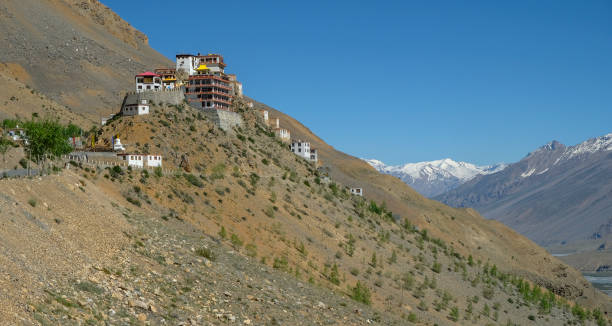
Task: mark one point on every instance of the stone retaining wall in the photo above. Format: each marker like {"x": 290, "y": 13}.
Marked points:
{"x": 225, "y": 120}
{"x": 171, "y": 97}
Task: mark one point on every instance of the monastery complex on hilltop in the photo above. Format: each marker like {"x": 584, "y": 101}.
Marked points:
{"x": 201, "y": 81}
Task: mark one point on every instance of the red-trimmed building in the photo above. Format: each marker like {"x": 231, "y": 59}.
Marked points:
{"x": 209, "y": 87}
{"x": 148, "y": 81}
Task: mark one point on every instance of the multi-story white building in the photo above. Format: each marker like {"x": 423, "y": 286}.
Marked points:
{"x": 140, "y": 108}
{"x": 301, "y": 149}
{"x": 148, "y": 81}
{"x": 187, "y": 63}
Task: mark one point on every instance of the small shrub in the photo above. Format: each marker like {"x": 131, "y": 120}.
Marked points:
{"x": 422, "y": 306}
{"x": 454, "y": 314}
{"x": 269, "y": 211}
{"x": 253, "y": 179}
{"x": 281, "y": 263}
{"x": 222, "y": 233}
{"x": 116, "y": 171}
{"x": 488, "y": 292}
{"x": 236, "y": 242}
{"x": 32, "y": 202}
{"x": 218, "y": 171}
{"x": 158, "y": 172}
{"x": 436, "y": 267}
{"x": 193, "y": 180}
{"x": 89, "y": 287}
{"x": 206, "y": 253}
{"x": 334, "y": 276}
{"x": 251, "y": 250}
{"x": 412, "y": 317}
{"x": 133, "y": 201}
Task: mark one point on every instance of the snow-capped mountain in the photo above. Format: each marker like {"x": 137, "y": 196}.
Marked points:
{"x": 435, "y": 177}
{"x": 554, "y": 194}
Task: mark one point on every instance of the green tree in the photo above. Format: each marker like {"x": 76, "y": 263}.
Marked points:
{"x": 393, "y": 258}
{"x": 334, "y": 276}
{"x": 222, "y": 233}
{"x": 10, "y": 123}
{"x": 361, "y": 293}
{"x": 72, "y": 130}
{"x": 46, "y": 138}
{"x": 349, "y": 248}
{"x": 5, "y": 144}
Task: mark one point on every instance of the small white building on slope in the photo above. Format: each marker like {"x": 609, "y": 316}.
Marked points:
{"x": 141, "y": 161}
{"x": 357, "y": 191}
{"x": 301, "y": 149}
{"x": 141, "y": 108}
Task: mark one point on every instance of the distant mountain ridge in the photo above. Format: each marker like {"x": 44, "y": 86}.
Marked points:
{"x": 555, "y": 194}
{"x": 433, "y": 178}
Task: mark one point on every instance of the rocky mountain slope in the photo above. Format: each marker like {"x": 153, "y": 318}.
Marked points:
{"x": 435, "y": 177}
{"x": 251, "y": 235}
{"x": 556, "y": 194}
{"x": 76, "y": 52}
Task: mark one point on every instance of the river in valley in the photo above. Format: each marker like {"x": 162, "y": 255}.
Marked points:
{"x": 602, "y": 281}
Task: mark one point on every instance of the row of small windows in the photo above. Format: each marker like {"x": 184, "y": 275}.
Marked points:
{"x": 132, "y": 108}
{"x": 148, "y": 87}
{"x": 139, "y": 158}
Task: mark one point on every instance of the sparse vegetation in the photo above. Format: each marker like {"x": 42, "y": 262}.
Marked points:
{"x": 361, "y": 293}
{"x": 206, "y": 253}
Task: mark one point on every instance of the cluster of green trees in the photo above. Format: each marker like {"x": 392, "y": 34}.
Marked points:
{"x": 45, "y": 138}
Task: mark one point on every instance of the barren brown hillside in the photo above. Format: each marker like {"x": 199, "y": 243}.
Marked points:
{"x": 78, "y": 53}
{"x": 118, "y": 246}
{"x": 464, "y": 228}
{"x": 250, "y": 234}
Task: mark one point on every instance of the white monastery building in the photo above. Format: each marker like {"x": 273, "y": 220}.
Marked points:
{"x": 154, "y": 161}
{"x": 141, "y": 161}
{"x": 282, "y": 134}
{"x": 148, "y": 81}
{"x": 301, "y": 148}
{"x": 136, "y": 108}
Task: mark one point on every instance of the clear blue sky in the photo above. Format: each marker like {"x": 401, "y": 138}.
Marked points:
{"x": 407, "y": 81}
